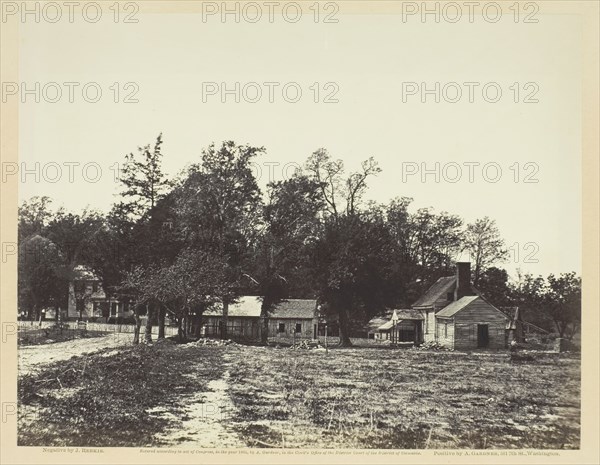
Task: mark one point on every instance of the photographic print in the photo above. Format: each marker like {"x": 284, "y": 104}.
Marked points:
{"x": 347, "y": 231}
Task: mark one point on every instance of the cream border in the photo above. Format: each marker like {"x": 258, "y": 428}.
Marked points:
{"x": 11, "y": 454}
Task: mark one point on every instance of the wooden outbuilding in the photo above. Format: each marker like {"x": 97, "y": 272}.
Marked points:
{"x": 290, "y": 319}
{"x": 471, "y": 323}
{"x": 455, "y": 315}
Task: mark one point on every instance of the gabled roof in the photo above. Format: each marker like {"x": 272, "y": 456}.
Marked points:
{"x": 405, "y": 314}
{"x": 246, "y": 306}
{"x": 295, "y": 308}
{"x": 384, "y": 322}
{"x": 250, "y": 307}
{"x": 438, "y": 289}
{"x": 455, "y": 307}
{"x": 375, "y": 323}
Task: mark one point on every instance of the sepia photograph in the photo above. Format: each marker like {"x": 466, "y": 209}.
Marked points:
{"x": 351, "y": 231}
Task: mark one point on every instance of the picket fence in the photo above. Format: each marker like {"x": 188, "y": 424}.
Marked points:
{"x": 92, "y": 326}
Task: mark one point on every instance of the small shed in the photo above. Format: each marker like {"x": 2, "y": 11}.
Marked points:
{"x": 471, "y": 323}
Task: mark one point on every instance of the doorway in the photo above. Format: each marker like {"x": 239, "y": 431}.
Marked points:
{"x": 483, "y": 336}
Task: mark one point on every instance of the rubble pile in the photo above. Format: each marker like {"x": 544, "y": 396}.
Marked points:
{"x": 307, "y": 345}
{"x": 214, "y": 342}
{"x": 432, "y": 345}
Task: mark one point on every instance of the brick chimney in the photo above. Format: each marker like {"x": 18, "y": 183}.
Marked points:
{"x": 463, "y": 280}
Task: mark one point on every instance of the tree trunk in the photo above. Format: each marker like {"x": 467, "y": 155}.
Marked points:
{"x": 148, "y": 329}
{"x": 344, "y": 325}
{"x": 138, "y": 326}
{"x": 180, "y": 334}
{"x": 56, "y": 313}
{"x": 161, "y": 322}
{"x": 224, "y": 319}
{"x": 264, "y": 333}
{"x": 199, "y": 326}
{"x": 189, "y": 324}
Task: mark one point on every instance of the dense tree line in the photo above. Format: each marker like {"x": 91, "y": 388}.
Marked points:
{"x": 174, "y": 246}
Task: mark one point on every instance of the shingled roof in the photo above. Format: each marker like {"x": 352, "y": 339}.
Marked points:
{"x": 246, "y": 306}
{"x": 375, "y": 323}
{"x": 250, "y": 306}
{"x": 405, "y": 314}
{"x": 440, "y": 288}
{"x": 295, "y": 308}
{"x": 457, "y": 306}
{"x": 385, "y": 322}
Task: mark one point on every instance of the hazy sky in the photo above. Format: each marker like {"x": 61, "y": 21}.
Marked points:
{"x": 368, "y": 58}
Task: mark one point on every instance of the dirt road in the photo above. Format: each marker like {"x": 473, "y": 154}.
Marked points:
{"x": 36, "y": 357}
{"x": 207, "y": 419}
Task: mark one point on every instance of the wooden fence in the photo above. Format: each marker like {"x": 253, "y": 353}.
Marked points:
{"x": 90, "y": 326}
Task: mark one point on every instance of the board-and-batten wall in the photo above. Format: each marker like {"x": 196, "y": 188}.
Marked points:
{"x": 479, "y": 312}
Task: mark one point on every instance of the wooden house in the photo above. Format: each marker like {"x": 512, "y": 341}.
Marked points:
{"x": 471, "y": 323}
{"x": 294, "y": 318}
{"x": 290, "y": 319}
{"x": 88, "y": 301}
{"x": 456, "y": 316}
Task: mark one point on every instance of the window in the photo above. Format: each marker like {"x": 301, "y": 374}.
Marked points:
{"x": 79, "y": 286}
{"x": 281, "y": 328}
{"x": 95, "y": 286}
{"x": 298, "y": 327}
{"x": 445, "y": 329}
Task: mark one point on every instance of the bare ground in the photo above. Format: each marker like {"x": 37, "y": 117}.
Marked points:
{"x": 205, "y": 415}
{"x": 237, "y": 396}
{"x": 37, "y": 357}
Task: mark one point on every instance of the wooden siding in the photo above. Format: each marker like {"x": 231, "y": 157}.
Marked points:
{"x": 251, "y": 327}
{"x": 445, "y": 332}
{"x": 479, "y": 312}
{"x": 289, "y": 325}
{"x": 429, "y": 326}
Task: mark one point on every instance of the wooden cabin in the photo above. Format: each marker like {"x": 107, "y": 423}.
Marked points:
{"x": 471, "y": 323}
{"x": 290, "y": 319}
{"x": 455, "y": 315}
